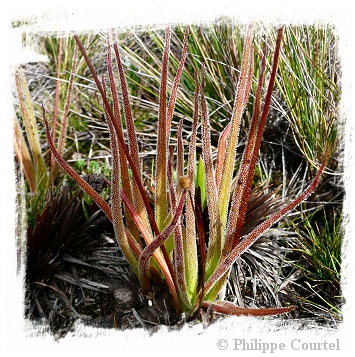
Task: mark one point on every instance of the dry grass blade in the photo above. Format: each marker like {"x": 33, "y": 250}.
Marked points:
{"x": 81, "y": 282}
{"x": 39, "y": 172}
{"x": 63, "y": 297}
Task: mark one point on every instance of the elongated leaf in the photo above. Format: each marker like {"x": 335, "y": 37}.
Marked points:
{"x": 24, "y": 157}
{"x": 243, "y": 88}
{"x": 151, "y": 248}
{"x": 164, "y": 127}
{"x": 161, "y": 207}
{"x": 158, "y": 241}
{"x": 132, "y": 139}
{"x": 227, "y": 262}
{"x": 135, "y": 172}
{"x": 56, "y": 101}
{"x": 30, "y": 124}
{"x": 64, "y": 122}
{"x": 180, "y": 155}
{"x": 180, "y": 251}
{"x": 181, "y": 260}
{"x": 229, "y": 308}
{"x": 164, "y": 264}
{"x": 214, "y": 245}
{"x": 116, "y": 202}
{"x": 191, "y": 261}
{"x": 201, "y": 243}
{"x": 200, "y": 182}
{"x": 125, "y": 179}
{"x": 81, "y": 182}
{"x": 246, "y": 170}
{"x": 177, "y": 78}
{"x": 221, "y": 153}
{"x": 258, "y": 139}
{"x": 161, "y": 259}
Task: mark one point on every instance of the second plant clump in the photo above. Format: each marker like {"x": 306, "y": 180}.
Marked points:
{"x": 162, "y": 232}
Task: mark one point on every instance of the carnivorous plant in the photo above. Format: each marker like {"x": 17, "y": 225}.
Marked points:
{"x": 160, "y": 231}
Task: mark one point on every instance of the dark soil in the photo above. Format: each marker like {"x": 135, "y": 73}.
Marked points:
{"x": 105, "y": 294}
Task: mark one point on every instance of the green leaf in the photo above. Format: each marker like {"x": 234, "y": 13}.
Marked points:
{"x": 200, "y": 182}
